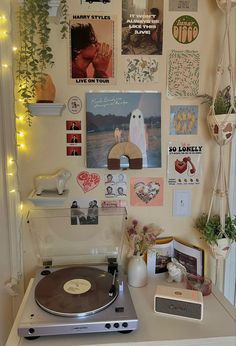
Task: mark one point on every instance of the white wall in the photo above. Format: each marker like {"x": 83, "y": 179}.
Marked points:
{"x": 46, "y": 141}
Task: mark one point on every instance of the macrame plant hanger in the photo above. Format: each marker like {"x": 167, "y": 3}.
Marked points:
{"x": 222, "y": 128}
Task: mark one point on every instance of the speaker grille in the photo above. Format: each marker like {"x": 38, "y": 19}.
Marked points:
{"x": 179, "y": 308}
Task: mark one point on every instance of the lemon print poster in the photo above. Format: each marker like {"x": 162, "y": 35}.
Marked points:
{"x": 185, "y": 29}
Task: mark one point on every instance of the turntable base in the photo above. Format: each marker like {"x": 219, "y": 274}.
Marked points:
{"x": 76, "y": 300}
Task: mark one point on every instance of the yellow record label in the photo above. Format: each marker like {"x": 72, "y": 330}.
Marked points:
{"x": 77, "y": 286}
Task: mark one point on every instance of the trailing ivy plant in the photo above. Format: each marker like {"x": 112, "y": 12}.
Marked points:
{"x": 35, "y": 55}
{"x": 64, "y": 19}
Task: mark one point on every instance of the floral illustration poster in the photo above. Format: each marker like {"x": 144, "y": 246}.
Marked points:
{"x": 146, "y": 191}
{"x": 183, "y": 73}
{"x": 184, "y": 163}
{"x": 141, "y": 70}
{"x": 183, "y": 120}
{"x": 142, "y": 27}
{"x": 91, "y": 49}
{"x": 114, "y": 117}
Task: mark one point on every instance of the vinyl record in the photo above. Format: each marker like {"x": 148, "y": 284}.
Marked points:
{"x": 75, "y": 291}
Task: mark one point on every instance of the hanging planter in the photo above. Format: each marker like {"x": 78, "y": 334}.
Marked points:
{"x": 223, "y": 4}
{"x": 219, "y": 239}
{"x": 222, "y": 127}
{"x": 222, "y": 248}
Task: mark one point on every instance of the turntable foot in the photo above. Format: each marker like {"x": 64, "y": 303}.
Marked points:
{"x": 31, "y": 337}
{"x": 125, "y": 331}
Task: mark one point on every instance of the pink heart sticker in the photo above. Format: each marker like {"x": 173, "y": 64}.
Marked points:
{"x": 88, "y": 181}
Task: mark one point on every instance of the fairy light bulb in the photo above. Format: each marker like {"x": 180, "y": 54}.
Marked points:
{"x": 20, "y": 117}
{"x": 3, "y": 19}
{"x": 20, "y": 133}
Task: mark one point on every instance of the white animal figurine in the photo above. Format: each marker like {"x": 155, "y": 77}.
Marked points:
{"x": 175, "y": 271}
{"x": 52, "y": 182}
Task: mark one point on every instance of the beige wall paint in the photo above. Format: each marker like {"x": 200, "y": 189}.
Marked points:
{"x": 46, "y": 139}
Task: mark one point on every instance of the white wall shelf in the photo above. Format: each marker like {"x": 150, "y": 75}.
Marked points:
{"x": 48, "y": 198}
{"x": 46, "y": 109}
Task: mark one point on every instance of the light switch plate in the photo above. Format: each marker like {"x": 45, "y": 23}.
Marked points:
{"x": 182, "y": 203}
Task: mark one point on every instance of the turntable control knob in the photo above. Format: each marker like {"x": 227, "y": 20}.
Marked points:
{"x": 125, "y": 324}
{"x": 116, "y": 325}
{"x": 108, "y": 325}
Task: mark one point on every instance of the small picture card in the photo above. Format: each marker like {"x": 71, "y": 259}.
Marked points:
{"x": 115, "y": 185}
{"x": 185, "y": 29}
{"x": 146, "y": 191}
{"x": 84, "y": 212}
{"x": 183, "y": 5}
{"x": 183, "y": 120}
{"x": 141, "y": 70}
{"x": 73, "y": 151}
{"x": 73, "y": 138}
{"x": 74, "y": 105}
{"x": 73, "y": 125}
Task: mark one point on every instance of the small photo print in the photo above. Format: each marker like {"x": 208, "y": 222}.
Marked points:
{"x": 73, "y": 125}
{"x": 183, "y": 120}
{"x": 84, "y": 216}
{"x": 73, "y": 138}
{"x": 73, "y": 151}
{"x": 115, "y": 185}
{"x": 115, "y": 203}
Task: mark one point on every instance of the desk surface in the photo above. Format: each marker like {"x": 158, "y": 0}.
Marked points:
{"x": 217, "y": 328}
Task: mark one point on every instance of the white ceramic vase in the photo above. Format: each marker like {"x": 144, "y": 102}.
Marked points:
{"x": 137, "y": 271}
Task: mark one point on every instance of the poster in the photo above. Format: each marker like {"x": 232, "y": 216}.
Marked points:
{"x": 91, "y": 49}
{"x": 183, "y": 120}
{"x": 142, "y": 27}
{"x": 183, "y": 69}
{"x": 146, "y": 192}
{"x": 184, "y": 163}
{"x": 114, "y": 117}
{"x": 141, "y": 70}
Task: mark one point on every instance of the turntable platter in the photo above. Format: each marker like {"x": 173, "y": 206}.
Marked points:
{"x": 75, "y": 291}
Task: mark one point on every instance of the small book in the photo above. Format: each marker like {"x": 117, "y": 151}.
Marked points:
{"x": 190, "y": 256}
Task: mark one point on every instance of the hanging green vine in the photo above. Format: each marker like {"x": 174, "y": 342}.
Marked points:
{"x": 64, "y": 19}
{"x": 35, "y": 55}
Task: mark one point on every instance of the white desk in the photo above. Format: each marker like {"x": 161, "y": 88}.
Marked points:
{"x": 218, "y": 327}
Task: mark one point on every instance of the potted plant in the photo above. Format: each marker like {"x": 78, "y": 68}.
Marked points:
{"x": 217, "y": 238}
{"x": 221, "y": 117}
{"x": 35, "y": 55}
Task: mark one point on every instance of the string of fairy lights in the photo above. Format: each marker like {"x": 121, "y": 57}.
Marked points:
{"x": 6, "y": 67}
{"x": 20, "y": 133}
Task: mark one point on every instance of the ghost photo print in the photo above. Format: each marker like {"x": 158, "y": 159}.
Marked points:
{"x": 116, "y": 117}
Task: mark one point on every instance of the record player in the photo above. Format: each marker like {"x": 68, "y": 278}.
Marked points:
{"x": 80, "y": 286}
